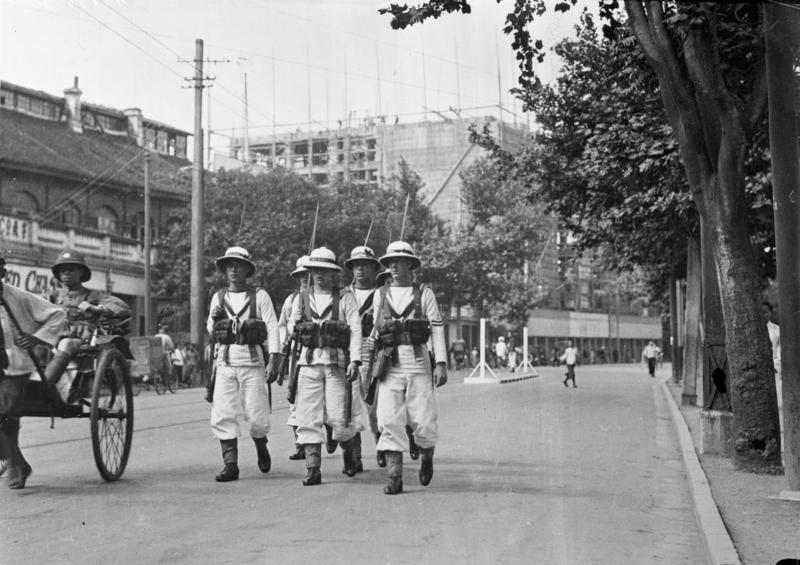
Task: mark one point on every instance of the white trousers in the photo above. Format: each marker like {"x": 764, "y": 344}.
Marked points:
{"x": 239, "y": 388}
{"x": 320, "y": 400}
{"x": 406, "y": 398}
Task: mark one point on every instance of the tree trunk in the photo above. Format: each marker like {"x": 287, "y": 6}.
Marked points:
{"x": 781, "y": 31}
{"x": 709, "y": 123}
{"x": 693, "y": 351}
{"x": 752, "y": 384}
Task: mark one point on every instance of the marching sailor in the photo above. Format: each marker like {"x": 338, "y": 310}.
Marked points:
{"x": 300, "y": 275}
{"x": 364, "y": 265}
{"x": 243, "y": 323}
{"x": 329, "y": 330}
{"x": 406, "y": 317}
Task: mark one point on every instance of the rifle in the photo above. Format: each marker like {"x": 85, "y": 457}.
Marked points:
{"x": 213, "y": 380}
{"x": 291, "y": 386}
{"x": 379, "y": 363}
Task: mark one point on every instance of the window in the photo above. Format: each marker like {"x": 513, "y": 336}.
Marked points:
{"x": 25, "y": 203}
{"x": 71, "y": 215}
{"x": 106, "y": 220}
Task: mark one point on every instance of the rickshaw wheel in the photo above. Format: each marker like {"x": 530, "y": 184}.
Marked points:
{"x": 111, "y": 414}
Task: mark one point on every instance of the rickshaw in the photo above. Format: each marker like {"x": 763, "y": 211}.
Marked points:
{"x": 150, "y": 365}
{"x": 100, "y": 390}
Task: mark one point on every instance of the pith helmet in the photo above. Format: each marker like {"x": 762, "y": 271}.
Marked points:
{"x": 237, "y": 254}
{"x": 300, "y": 266}
{"x": 400, "y": 250}
{"x": 70, "y": 257}
{"x": 322, "y": 258}
{"x": 382, "y": 277}
{"x": 362, "y": 253}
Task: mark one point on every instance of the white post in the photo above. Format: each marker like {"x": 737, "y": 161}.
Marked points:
{"x": 482, "y": 363}
{"x": 525, "y": 364}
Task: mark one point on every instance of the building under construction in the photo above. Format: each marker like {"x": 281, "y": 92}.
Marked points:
{"x": 370, "y": 153}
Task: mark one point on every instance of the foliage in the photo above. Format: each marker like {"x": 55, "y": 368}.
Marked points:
{"x": 483, "y": 263}
{"x": 272, "y": 216}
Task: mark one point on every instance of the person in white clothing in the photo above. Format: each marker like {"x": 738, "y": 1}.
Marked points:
{"x": 300, "y": 275}
{"x": 501, "y": 351}
{"x": 650, "y": 357}
{"x": 243, "y": 323}
{"x": 570, "y": 358}
{"x": 406, "y": 318}
{"x": 364, "y": 265}
{"x": 329, "y": 329}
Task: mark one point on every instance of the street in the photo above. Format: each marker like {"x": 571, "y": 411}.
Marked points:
{"x": 525, "y": 472}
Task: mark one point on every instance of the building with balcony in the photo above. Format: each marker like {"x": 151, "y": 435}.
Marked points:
{"x": 72, "y": 177}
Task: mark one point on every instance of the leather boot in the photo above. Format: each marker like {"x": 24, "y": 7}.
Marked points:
{"x": 264, "y": 460}
{"x": 330, "y": 443}
{"x": 313, "y": 453}
{"x": 56, "y": 367}
{"x": 357, "y": 453}
{"x": 299, "y": 452}
{"x": 349, "y": 460}
{"x": 413, "y": 449}
{"x": 230, "y": 456}
{"x": 426, "y": 466}
{"x": 381, "y": 456}
{"x": 394, "y": 460}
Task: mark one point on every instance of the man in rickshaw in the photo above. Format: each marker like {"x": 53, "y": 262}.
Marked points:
{"x": 85, "y": 309}
{"x": 41, "y": 323}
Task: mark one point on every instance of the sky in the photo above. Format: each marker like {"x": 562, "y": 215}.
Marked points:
{"x": 305, "y": 63}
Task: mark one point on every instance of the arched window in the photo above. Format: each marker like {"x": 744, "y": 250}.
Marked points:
{"x": 70, "y": 214}
{"x": 137, "y": 228}
{"x": 25, "y": 203}
{"x": 107, "y": 220}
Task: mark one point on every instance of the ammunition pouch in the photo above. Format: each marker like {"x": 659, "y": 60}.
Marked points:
{"x": 223, "y": 332}
{"x": 389, "y": 332}
{"x": 252, "y": 332}
{"x": 335, "y": 333}
{"x": 308, "y": 334}
{"x": 419, "y": 331}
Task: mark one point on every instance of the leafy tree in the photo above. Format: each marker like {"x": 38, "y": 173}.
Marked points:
{"x": 708, "y": 61}
{"x": 482, "y": 263}
{"x": 272, "y": 216}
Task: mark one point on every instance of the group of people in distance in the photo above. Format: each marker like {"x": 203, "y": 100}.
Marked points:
{"x": 383, "y": 329}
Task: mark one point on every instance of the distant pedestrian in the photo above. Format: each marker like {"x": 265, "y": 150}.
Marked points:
{"x": 167, "y": 347}
{"x": 190, "y": 361}
{"x": 570, "y": 358}
{"x": 650, "y": 356}
{"x": 501, "y": 352}
{"x": 475, "y": 356}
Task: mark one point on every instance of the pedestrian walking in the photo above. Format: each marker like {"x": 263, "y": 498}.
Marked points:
{"x": 406, "y": 318}
{"x": 191, "y": 360}
{"x": 650, "y": 357}
{"x": 243, "y": 324}
{"x": 177, "y": 358}
{"x": 167, "y": 347}
{"x": 300, "y": 275}
{"x": 329, "y": 330}
{"x": 501, "y": 352}
{"x": 365, "y": 266}
{"x": 41, "y": 324}
{"x": 570, "y": 358}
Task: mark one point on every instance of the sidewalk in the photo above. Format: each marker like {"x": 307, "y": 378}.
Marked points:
{"x": 762, "y": 530}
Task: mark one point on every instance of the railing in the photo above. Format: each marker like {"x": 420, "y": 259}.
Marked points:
{"x": 30, "y": 232}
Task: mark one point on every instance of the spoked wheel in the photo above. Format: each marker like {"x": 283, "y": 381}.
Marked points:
{"x": 160, "y": 384}
{"x": 111, "y": 414}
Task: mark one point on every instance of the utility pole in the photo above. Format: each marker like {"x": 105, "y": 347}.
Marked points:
{"x": 148, "y": 305}
{"x": 197, "y": 292}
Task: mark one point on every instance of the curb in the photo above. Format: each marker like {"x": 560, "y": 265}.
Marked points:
{"x": 719, "y": 544}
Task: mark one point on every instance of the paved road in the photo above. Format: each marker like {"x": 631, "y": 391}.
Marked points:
{"x": 526, "y": 472}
